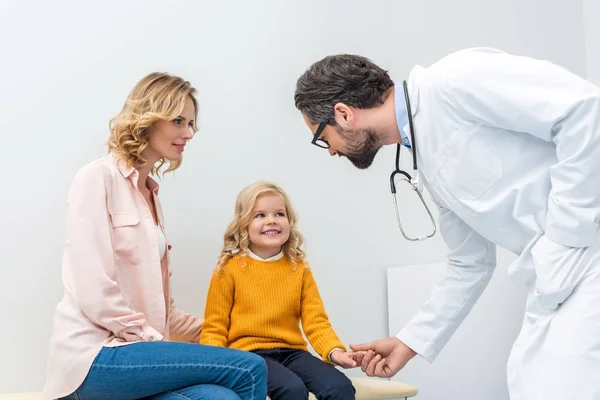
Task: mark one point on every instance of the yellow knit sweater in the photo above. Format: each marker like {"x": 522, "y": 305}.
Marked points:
{"x": 260, "y": 306}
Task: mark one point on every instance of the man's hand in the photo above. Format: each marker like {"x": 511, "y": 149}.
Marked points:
{"x": 341, "y": 358}
{"x": 382, "y": 358}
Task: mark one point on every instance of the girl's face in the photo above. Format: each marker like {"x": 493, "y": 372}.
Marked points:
{"x": 269, "y": 228}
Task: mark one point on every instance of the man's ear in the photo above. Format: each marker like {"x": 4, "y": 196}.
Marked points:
{"x": 343, "y": 115}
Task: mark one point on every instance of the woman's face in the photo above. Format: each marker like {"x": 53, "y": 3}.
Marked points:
{"x": 168, "y": 138}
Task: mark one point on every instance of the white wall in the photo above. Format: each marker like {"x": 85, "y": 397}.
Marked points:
{"x": 473, "y": 364}
{"x": 67, "y": 67}
{"x": 591, "y": 18}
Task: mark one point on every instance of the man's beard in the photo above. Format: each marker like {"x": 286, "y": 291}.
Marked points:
{"x": 362, "y": 147}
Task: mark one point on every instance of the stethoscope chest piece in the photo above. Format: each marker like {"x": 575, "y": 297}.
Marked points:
{"x": 413, "y": 180}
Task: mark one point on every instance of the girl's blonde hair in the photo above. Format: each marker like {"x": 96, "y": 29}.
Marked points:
{"x": 157, "y": 96}
{"x": 236, "y": 238}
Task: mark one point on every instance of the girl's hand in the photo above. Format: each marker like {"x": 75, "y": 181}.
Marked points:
{"x": 342, "y": 359}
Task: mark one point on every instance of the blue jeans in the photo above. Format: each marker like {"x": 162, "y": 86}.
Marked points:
{"x": 173, "y": 371}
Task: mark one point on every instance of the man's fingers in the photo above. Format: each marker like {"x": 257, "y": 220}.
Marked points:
{"x": 362, "y": 346}
{"x": 366, "y": 360}
{"x": 381, "y": 368}
{"x": 372, "y": 365}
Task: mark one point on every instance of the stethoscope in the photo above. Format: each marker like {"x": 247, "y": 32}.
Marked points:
{"x": 413, "y": 181}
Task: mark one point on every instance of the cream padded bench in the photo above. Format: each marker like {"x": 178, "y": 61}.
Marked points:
{"x": 366, "y": 389}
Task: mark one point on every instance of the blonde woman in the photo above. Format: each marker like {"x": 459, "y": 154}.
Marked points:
{"x": 260, "y": 292}
{"x": 114, "y": 330}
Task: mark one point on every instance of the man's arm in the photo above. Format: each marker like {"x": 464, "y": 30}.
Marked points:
{"x": 471, "y": 263}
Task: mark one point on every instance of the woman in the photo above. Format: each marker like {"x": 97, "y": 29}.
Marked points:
{"x": 112, "y": 328}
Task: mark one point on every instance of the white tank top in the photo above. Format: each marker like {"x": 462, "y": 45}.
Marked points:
{"x": 162, "y": 242}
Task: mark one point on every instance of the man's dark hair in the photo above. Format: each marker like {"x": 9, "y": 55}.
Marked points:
{"x": 350, "y": 79}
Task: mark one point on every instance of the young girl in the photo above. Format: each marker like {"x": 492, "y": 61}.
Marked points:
{"x": 262, "y": 289}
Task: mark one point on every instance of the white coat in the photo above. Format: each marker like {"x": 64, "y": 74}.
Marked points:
{"x": 509, "y": 149}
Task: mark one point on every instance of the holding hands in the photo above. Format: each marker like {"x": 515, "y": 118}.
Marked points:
{"x": 382, "y": 358}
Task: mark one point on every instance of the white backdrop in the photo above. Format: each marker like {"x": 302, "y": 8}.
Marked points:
{"x": 591, "y": 15}
{"x": 67, "y": 67}
{"x": 473, "y": 364}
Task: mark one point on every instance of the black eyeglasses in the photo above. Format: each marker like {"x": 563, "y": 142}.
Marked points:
{"x": 317, "y": 141}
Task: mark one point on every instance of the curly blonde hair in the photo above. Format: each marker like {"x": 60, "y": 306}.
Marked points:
{"x": 236, "y": 238}
{"x": 157, "y": 96}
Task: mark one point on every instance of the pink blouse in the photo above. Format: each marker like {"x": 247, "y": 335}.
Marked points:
{"x": 117, "y": 287}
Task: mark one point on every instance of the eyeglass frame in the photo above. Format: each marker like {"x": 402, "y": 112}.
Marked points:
{"x": 316, "y": 138}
